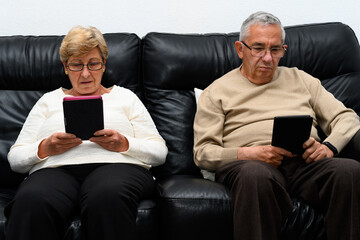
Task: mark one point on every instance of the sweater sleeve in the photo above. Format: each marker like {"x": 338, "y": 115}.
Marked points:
{"x": 146, "y": 144}
{"x": 23, "y": 154}
{"x": 338, "y": 122}
{"x": 209, "y": 152}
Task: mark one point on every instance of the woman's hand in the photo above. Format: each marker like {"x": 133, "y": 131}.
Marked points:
{"x": 315, "y": 151}
{"x": 111, "y": 140}
{"x": 269, "y": 154}
{"x": 57, "y": 143}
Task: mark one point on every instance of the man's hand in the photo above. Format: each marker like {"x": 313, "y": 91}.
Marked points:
{"x": 111, "y": 140}
{"x": 315, "y": 151}
{"x": 57, "y": 143}
{"x": 269, "y": 154}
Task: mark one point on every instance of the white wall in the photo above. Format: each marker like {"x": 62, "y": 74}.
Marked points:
{"x": 50, "y": 17}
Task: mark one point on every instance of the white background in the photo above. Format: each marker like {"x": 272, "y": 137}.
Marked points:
{"x": 50, "y": 17}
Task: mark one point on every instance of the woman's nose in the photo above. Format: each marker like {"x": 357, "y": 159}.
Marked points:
{"x": 85, "y": 72}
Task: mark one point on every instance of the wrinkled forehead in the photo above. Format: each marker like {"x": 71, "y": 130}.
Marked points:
{"x": 265, "y": 34}
{"x": 93, "y": 54}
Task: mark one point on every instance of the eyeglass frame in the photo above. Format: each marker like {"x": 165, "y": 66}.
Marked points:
{"x": 266, "y": 50}
{"x": 87, "y": 65}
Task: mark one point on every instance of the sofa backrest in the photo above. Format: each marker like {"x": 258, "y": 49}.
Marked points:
{"x": 173, "y": 64}
{"x": 32, "y": 63}
{"x": 323, "y": 50}
{"x": 30, "y": 66}
{"x": 163, "y": 70}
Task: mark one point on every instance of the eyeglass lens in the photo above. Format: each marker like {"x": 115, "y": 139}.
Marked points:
{"x": 93, "y": 66}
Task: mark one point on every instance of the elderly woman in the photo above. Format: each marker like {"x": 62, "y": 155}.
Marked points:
{"x": 104, "y": 178}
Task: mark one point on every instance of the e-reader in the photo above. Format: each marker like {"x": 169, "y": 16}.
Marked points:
{"x": 290, "y": 132}
{"x": 83, "y": 115}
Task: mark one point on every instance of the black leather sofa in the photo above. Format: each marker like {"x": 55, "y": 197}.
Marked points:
{"x": 163, "y": 69}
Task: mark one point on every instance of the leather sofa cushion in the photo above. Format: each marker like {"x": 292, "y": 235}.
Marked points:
{"x": 33, "y": 63}
{"x": 194, "y": 208}
{"x": 172, "y": 65}
{"x": 323, "y": 50}
{"x": 14, "y": 108}
{"x": 182, "y": 61}
{"x": 173, "y": 112}
{"x": 346, "y": 89}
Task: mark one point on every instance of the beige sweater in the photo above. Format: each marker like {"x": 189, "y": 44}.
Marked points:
{"x": 233, "y": 112}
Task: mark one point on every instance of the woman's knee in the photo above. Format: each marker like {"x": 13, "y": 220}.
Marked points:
{"x": 114, "y": 187}
{"x": 37, "y": 199}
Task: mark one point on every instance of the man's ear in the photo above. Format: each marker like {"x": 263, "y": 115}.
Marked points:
{"x": 239, "y": 49}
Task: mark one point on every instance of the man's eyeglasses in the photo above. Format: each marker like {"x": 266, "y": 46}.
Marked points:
{"x": 92, "y": 66}
{"x": 277, "y": 52}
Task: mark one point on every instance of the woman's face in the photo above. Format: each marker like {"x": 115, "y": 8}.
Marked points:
{"x": 86, "y": 82}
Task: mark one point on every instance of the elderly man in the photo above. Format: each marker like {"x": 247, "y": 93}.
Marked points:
{"x": 233, "y": 127}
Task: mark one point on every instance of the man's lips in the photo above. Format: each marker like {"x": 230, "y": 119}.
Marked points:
{"x": 265, "y": 68}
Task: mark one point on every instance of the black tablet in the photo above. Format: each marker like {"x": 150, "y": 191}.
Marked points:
{"x": 83, "y": 115}
{"x": 290, "y": 132}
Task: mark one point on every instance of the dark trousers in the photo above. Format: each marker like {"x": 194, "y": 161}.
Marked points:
{"x": 261, "y": 195}
{"x": 106, "y": 196}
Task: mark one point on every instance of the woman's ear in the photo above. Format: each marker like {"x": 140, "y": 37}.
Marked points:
{"x": 104, "y": 65}
{"x": 65, "y": 69}
{"x": 239, "y": 49}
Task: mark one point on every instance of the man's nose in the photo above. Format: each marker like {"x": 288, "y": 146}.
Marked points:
{"x": 267, "y": 57}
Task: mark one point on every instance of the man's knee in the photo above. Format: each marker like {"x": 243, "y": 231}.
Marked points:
{"x": 254, "y": 173}
{"x": 345, "y": 170}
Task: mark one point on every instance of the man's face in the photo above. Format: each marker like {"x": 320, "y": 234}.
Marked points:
{"x": 260, "y": 70}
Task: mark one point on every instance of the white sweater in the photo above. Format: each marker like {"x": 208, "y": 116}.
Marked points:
{"x": 123, "y": 112}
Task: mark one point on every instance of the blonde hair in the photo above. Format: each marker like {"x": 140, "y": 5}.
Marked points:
{"x": 81, "y": 40}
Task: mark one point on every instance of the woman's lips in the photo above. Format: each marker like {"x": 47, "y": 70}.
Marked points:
{"x": 87, "y": 82}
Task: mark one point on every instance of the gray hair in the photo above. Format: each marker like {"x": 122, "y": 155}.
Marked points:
{"x": 262, "y": 18}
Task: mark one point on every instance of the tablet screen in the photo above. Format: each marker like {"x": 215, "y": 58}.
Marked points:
{"x": 290, "y": 132}
{"x": 83, "y": 115}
